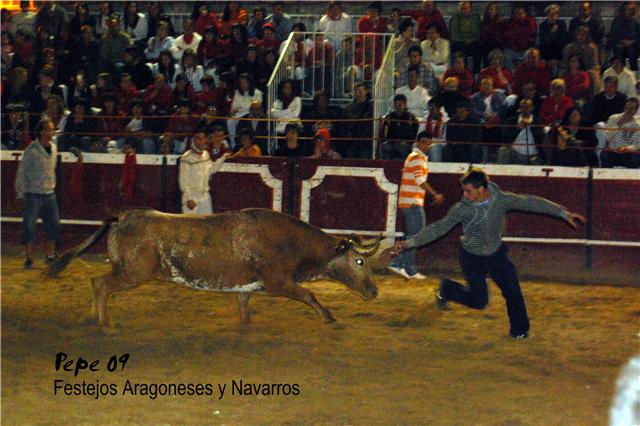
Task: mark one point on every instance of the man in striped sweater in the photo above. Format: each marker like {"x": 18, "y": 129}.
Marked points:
{"x": 413, "y": 189}
{"x": 481, "y": 212}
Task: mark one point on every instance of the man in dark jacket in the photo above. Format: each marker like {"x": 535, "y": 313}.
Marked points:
{"x": 464, "y": 136}
{"x": 399, "y": 130}
{"x": 523, "y": 137}
{"x": 135, "y": 66}
{"x": 361, "y": 131}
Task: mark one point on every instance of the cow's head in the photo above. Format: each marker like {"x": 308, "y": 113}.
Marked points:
{"x": 350, "y": 265}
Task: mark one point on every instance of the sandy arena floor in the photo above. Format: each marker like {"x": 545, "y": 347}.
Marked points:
{"x": 396, "y": 360}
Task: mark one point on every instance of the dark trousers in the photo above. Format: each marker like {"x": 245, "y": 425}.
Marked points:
{"x": 500, "y": 268}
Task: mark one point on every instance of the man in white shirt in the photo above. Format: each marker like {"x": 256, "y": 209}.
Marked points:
{"x": 623, "y": 140}
{"x": 626, "y": 77}
{"x": 24, "y": 20}
{"x": 417, "y": 96}
{"x": 335, "y": 21}
{"x": 188, "y": 40}
{"x": 196, "y": 169}
{"x": 436, "y": 50}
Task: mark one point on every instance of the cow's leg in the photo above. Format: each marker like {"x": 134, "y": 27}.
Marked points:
{"x": 103, "y": 286}
{"x": 243, "y": 303}
{"x": 294, "y": 291}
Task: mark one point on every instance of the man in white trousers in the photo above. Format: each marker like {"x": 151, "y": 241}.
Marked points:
{"x": 196, "y": 169}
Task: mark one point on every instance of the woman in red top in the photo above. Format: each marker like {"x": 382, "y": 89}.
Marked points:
{"x": 211, "y": 47}
{"x": 492, "y": 28}
{"x": 556, "y": 104}
{"x": 520, "y": 34}
{"x": 233, "y": 14}
{"x": 126, "y": 94}
{"x": 462, "y": 73}
{"x": 577, "y": 80}
{"x": 373, "y": 22}
{"x": 205, "y": 19}
{"x": 502, "y": 77}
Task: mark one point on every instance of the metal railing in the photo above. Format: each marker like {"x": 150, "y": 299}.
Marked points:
{"x": 383, "y": 91}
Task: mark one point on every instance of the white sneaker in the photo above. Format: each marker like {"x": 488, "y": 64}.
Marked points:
{"x": 396, "y": 270}
{"x": 417, "y": 276}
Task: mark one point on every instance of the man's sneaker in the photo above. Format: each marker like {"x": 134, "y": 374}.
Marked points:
{"x": 441, "y": 302}
{"x": 521, "y": 336}
{"x": 396, "y": 270}
{"x": 50, "y": 259}
{"x": 417, "y": 276}
{"x": 28, "y": 263}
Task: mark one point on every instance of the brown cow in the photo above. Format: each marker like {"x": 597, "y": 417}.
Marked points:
{"x": 247, "y": 251}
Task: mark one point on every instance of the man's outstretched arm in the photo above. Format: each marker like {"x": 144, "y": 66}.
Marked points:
{"x": 535, "y": 204}
{"x": 431, "y": 232}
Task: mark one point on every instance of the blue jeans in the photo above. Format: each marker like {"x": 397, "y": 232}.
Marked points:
{"x": 44, "y": 206}
{"x": 414, "y": 221}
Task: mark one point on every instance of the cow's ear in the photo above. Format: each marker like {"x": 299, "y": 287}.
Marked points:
{"x": 342, "y": 246}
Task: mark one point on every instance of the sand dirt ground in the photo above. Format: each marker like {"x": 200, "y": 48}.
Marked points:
{"x": 396, "y": 360}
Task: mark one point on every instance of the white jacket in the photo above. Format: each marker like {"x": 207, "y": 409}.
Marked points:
{"x": 291, "y": 113}
{"x": 195, "y": 172}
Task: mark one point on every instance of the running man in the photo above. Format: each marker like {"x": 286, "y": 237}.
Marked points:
{"x": 481, "y": 212}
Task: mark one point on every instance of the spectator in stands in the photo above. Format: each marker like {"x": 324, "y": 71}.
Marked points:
{"x": 321, "y": 115}
{"x": 184, "y": 89}
{"x": 207, "y": 95}
{"x": 394, "y": 20}
{"x": 113, "y": 45}
{"x": 102, "y": 88}
{"x": 244, "y": 95}
{"x": 232, "y": 14}
{"x": 464, "y": 136}
{"x": 86, "y": 53}
{"x": 523, "y": 137}
{"x": 105, "y": 12}
{"x": 502, "y": 77}
{"x": 345, "y": 70}
{"x": 79, "y": 88}
{"x": 588, "y": 52}
{"x": 427, "y": 76}
{"x": 450, "y": 97}
{"x": 110, "y": 125}
{"x": 520, "y": 35}
{"x": 416, "y": 96}
{"x": 398, "y": 130}
{"x": 254, "y": 29}
{"x": 135, "y": 23}
{"x": 187, "y": 41}
{"x": 161, "y": 42}
{"x": 256, "y": 120}
{"x": 625, "y": 33}
{"x": 43, "y": 90}
{"x": 206, "y": 18}
{"x": 281, "y": 21}
{"x": 403, "y": 43}
{"x": 155, "y": 15}
{"x": 217, "y": 142}
{"x": 553, "y": 38}
{"x": 578, "y": 83}
{"x": 624, "y": 141}
{"x": 248, "y": 147}
{"x": 64, "y": 44}
{"x": 462, "y": 73}
{"x": 293, "y": 147}
{"x": 25, "y": 19}
{"x": 223, "y": 94}
{"x": 191, "y": 70}
{"x": 490, "y": 105}
{"x": 210, "y": 119}
{"x": 158, "y": 101}
{"x": 138, "y": 127}
{"x": 368, "y": 57}
{"x": 320, "y": 60}
{"x": 532, "y": 70}
{"x": 569, "y": 138}
{"x": 17, "y": 87}
{"x": 239, "y": 42}
{"x": 556, "y": 104}
{"x": 335, "y": 20}
{"x": 608, "y": 102}
{"x": 492, "y": 30}
{"x": 464, "y": 28}
{"x": 166, "y": 66}
{"x": 359, "y": 131}
{"x": 595, "y": 24}
{"x": 81, "y": 17}
{"x": 211, "y": 48}
{"x": 51, "y": 16}
{"x": 140, "y": 73}
{"x": 23, "y": 50}
{"x": 126, "y": 94}
{"x": 322, "y": 149}
{"x": 435, "y": 125}
{"x": 626, "y": 78}
{"x": 78, "y": 129}
{"x": 428, "y": 15}
{"x": 529, "y": 91}
{"x": 435, "y": 50}
{"x": 15, "y": 126}
{"x": 288, "y": 105}
{"x": 181, "y": 125}
{"x": 269, "y": 38}
{"x": 373, "y": 22}
{"x": 250, "y": 64}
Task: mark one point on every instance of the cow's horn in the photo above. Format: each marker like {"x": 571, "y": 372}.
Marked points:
{"x": 367, "y": 247}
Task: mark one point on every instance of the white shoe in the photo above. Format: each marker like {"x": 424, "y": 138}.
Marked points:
{"x": 396, "y": 270}
{"x": 417, "y": 276}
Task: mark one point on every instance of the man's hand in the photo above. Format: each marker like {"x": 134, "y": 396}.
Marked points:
{"x": 574, "y": 219}
{"x": 438, "y": 199}
{"x": 191, "y": 204}
{"x": 399, "y": 248}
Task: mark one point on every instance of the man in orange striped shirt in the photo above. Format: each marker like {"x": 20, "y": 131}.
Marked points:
{"x": 413, "y": 188}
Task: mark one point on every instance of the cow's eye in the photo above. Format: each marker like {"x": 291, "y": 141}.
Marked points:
{"x": 360, "y": 262}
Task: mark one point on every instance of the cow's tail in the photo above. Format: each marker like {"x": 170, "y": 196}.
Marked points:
{"x": 59, "y": 265}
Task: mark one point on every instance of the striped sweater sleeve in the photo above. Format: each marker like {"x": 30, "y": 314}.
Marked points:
{"x": 437, "y": 229}
{"x": 534, "y": 204}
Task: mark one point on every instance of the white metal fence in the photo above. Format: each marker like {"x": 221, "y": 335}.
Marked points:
{"x": 383, "y": 91}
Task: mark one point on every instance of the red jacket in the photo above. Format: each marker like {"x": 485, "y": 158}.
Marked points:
{"x": 203, "y": 98}
{"x": 520, "y": 34}
{"x": 497, "y": 82}
{"x": 423, "y": 22}
{"x": 202, "y": 22}
{"x": 163, "y": 100}
{"x": 539, "y": 74}
{"x": 553, "y": 109}
{"x": 577, "y": 85}
{"x": 466, "y": 80}
{"x": 366, "y": 25}
{"x": 208, "y": 51}
{"x": 124, "y": 99}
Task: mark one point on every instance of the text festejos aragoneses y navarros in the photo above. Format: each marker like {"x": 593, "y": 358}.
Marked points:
{"x": 125, "y": 387}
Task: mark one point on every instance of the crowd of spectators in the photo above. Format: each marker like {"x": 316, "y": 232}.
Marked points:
{"x": 486, "y": 87}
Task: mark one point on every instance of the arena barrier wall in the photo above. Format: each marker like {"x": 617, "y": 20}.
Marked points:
{"x": 360, "y": 196}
